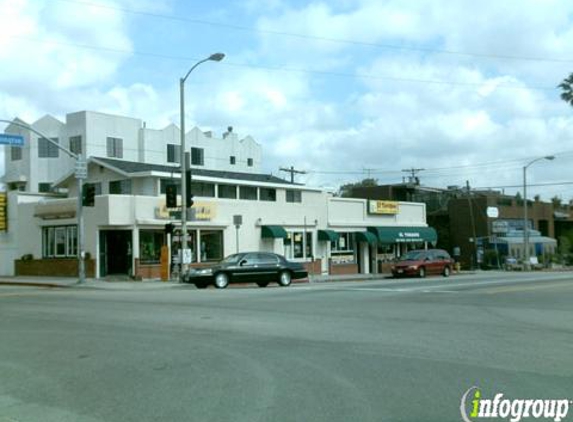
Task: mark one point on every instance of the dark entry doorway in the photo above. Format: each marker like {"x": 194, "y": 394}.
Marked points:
{"x": 115, "y": 252}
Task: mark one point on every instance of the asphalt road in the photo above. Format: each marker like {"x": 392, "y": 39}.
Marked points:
{"x": 361, "y": 351}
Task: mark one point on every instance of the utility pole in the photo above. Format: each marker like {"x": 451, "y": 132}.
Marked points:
{"x": 292, "y": 172}
{"x": 474, "y": 259}
{"x": 414, "y": 175}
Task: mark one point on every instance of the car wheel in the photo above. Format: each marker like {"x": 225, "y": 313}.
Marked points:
{"x": 447, "y": 271}
{"x": 422, "y": 272}
{"x": 262, "y": 283}
{"x": 221, "y": 280}
{"x": 284, "y": 278}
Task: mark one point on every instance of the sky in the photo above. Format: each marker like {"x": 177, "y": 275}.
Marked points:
{"x": 343, "y": 90}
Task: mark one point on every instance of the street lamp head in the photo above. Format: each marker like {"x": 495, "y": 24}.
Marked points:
{"x": 550, "y": 157}
{"x": 217, "y": 57}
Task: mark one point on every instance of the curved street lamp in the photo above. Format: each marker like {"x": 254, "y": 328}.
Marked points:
{"x": 216, "y": 57}
{"x": 525, "y": 224}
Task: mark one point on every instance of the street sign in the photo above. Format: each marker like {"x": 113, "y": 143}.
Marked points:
{"x": 12, "y": 140}
{"x": 81, "y": 169}
{"x": 186, "y": 256}
{"x": 492, "y": 212}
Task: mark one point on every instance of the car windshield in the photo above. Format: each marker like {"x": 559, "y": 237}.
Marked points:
{"x": 231, "y": 259}
{"x": 413, "y": 256}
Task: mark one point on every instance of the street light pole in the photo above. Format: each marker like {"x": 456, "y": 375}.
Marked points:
{"x": 526, "y": 255}
{"x": 81, "y": 173}
{"x": 217, "y": 57}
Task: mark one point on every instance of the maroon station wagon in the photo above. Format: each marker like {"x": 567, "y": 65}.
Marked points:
{"x": 423, "y": 262}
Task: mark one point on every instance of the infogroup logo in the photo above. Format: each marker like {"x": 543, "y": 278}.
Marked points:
{"x": 514, "y": 410}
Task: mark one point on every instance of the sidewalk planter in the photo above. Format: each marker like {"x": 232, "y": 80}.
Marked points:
{"x": 53, "y": 267}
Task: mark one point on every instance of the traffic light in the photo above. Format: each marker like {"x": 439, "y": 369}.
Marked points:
{"x": 169, "y": 228}
{"x": 88, "y": 195}
{"x": 188, "y": 194}
{"x": 171, "y": 196}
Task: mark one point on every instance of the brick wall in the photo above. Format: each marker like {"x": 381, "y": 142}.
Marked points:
{"x": 57, "y": 267}
{"x": 342, "y": 269}
{"x": 314, "y": 267}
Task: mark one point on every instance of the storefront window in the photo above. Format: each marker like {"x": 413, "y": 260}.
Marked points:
{"x": 308, "y": 245}
{"x": 59, "y": 242}
{"x": 342, "y": 251}
{"x": 176, "y": 245}
{"x": 150, "y": 243}
{"x": 295, "y": 246}
{"x": 211, "y": 245}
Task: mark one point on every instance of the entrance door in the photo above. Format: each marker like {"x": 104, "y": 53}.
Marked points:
{"x": 115, "y": 252}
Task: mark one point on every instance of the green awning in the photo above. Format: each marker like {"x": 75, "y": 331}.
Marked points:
{"x": 390, "y": 235}
{"x": 366, "y": 237}
{"x": 328, "y": 235}
{"x": 273, "y": 232}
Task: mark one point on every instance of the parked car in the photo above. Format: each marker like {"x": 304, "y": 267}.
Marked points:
{"x": 423, "y": 262}
{"x": 247, "y": 267}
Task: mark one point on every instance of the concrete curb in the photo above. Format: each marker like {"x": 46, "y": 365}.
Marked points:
{"x": 34, "y": 284}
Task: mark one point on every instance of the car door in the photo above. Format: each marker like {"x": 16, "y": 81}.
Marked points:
{"x": 268, "y": 268}
{"x": 247, "y": 268}
{"x": 432, "y": 264}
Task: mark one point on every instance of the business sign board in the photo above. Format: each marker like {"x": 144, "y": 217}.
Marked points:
{"x": 3, "y": 212}
{"x": 492, "y": 212}
{"x": 499, "y": 227}
{"x": 200, "y": 211}
{"x": 11, "y": 140}
{"x": 383, "y": 207}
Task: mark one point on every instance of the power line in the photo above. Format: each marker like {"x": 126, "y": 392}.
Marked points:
{"x": 319, "y": 38}
{"x": 282, "y": 68}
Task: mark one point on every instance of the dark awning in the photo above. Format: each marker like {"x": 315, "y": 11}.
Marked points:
{"x": 328, "y": 235}
{"x": 366, "y": 237}
{"x": 390, "y": 235}
{"x": 273, "y": 232}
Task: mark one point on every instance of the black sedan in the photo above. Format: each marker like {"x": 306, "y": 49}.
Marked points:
{"x": 247, "y": 267}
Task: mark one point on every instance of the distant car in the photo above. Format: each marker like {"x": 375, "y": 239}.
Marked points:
{"x": 423, "y": 262}
{"x": 247, "y": 267}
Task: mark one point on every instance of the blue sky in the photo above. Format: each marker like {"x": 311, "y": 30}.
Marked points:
{"x": 353, "y": 84}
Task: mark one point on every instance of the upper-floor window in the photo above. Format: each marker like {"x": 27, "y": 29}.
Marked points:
{"x": 15, "y": 153}
{"x": 47, "y": 149}
{"x": 250, "y": 162}
{"x": 114, "y": 147}
{"x": 44, "y": 187}
{"x": 197, "y": 156}
{"x": 248, "y": 192}
{"x": 203, "y": 189}
{"x": 173, "y": 153}
{"x": 120, "y": 187}
{"x": 293, "y": 195}
{"x": 76, "y": 144}
{"x": 228, "y": 191}
{"x": 267, "y": 194}
{"x": 232, "y": 160}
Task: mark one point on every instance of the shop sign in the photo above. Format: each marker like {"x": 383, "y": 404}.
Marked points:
{"x": 200, "y": 211}
{"x": 383, "y": 207}
{"x": 499, "y": 227}
{"x": 3, "y": 212}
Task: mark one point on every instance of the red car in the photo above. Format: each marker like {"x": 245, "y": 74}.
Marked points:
{"x": 423, "y": 262}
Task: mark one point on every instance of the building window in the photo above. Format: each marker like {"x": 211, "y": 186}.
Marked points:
{"x": 150, "y": 243}
{"x": 15, "y": 153}
{"x": 343, "y": 249}
{"x": 59, "y": 242}
{"x": 268, "y": 194}
{"x": 44, "y": 187}
{"x": 248, "y": 192}
{"x": 204, "y": 189}
{"x": 173, "y": 153}
{"x": 296, "y": 246}
{"x": 114, "y": 147}
{"x": 76, "y": 144}
{"x": 293, "y": 196}
{"x": 211, "y": 245}
{"x": 47, "y": 149}
{"x": 97, "y": 187}
{"x": 197, "y": 157}
{"x": 227, "y": 191}
{"x": 232, "y": 160}
{"x": 120, "y": 187}
{"x": 250, "y": 162}
{"x": 164, "y": 182}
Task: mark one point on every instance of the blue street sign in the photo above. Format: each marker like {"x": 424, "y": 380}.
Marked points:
{"x": 13, "y": 140}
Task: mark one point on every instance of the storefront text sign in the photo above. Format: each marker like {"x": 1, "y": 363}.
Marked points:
{"x": 383, "y": 207}
{"x": 3, "y": 212}
{"x": 200, "y": 211}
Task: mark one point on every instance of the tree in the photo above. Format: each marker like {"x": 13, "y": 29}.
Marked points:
{"x": 567, "y": 89}
{"x": 556, "y": 201}
{"x": 346, "y": 189}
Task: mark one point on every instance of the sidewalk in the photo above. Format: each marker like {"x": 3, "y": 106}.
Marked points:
{"x": 91, "y": 283}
